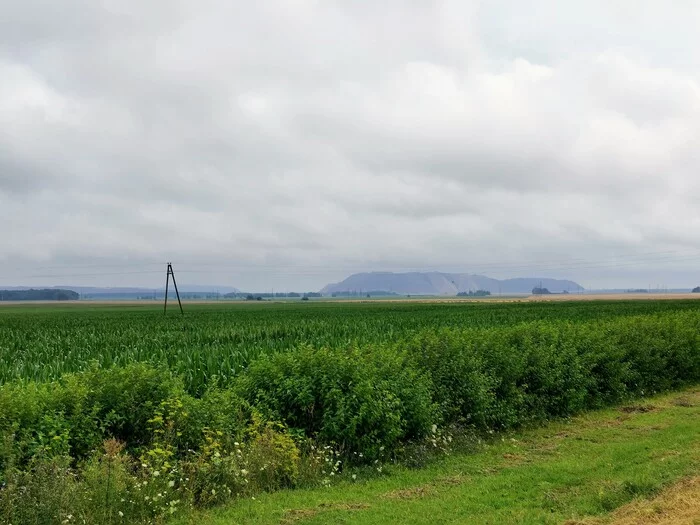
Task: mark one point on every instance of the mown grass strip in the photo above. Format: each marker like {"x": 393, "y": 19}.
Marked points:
{"x": 678, "y": 504}
{"x": 574, "y": 470}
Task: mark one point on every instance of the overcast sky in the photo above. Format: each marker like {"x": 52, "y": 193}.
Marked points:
{"x": 288, "y": 144}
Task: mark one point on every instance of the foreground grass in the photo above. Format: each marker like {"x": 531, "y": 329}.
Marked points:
{"x": 678, "y": 504}
{"x": 582, "y": 469}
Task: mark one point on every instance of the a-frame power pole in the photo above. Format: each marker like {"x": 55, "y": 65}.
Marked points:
{"x": 167, "y": 281}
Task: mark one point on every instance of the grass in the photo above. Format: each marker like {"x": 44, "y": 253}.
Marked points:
{"x": 576, "y": 470}
{"x": 678, "y": 504}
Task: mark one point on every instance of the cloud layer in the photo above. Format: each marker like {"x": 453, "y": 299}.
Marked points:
{"x": 288, "y": 143}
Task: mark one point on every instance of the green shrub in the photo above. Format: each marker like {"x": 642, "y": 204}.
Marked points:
{"x": 45, "y": 492}
{"x": 214, "y": 475}
{"x": 109, "y": 488}
{"x": 125, "y": 399}
{"x": 267, "y": 460}
{"x": 661, "y": 352}
{"x": 41, "y": 420}
{"x": 361, "y": 400}
{"x": 501, "y": 377}
{"x": 603, "y": 361}
{"x": 553, "y": 380}
{"x": 461, "y": 385}
{"x": 112, "y": 492}
{"x": 218, "y": 410}
{"x": 74, "y": 415}
{"x": 273, "y": 457}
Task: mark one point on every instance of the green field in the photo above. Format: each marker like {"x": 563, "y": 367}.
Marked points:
{"x": 41, "y": 342}
{"x": 119, "y": 414}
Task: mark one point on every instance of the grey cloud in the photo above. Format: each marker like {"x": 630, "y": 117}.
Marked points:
{"x": 319, "y": 137}
{"x": 17, "y": 177}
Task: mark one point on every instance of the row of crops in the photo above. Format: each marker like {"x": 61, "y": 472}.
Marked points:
{"x": 121, "y": 415}
{"x": 43, "y": 343}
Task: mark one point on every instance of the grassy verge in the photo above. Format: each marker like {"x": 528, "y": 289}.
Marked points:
{"x": 678, "y": 504}
{"x": 581, "y": 469}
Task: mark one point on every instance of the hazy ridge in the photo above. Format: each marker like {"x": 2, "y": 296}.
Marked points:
{"x": 439, "y": 283}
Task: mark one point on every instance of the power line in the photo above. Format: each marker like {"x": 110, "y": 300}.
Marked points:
{"x": 671, "y": 256}
{"x": 548, "y": 264}
{"x": 53, "y": 276}
{"x": 294, "y": 270}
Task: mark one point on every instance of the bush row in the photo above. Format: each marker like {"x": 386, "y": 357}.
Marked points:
{"x": 500, "y": 378}
{"x": 364, "y": 399}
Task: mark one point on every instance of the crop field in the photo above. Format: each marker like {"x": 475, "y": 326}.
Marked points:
{"x": 43, "y": 342}
{"x": 119, "y": 414}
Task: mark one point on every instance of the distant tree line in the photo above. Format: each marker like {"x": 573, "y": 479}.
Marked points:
{"x": 477, "y": 293}
{"x": 696, "y": 289}
{"x": 537, "y": 290}
{"x": 49, "y": 294}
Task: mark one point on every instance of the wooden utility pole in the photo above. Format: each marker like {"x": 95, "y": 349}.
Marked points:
{"x": 167, "y": 281}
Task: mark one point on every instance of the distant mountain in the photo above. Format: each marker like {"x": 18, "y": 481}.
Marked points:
{"x": 438, "y": 283}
